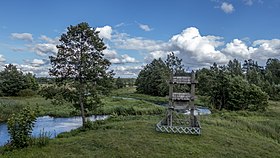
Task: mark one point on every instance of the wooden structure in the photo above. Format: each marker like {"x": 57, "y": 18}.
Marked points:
{"x": 176, "y": 120}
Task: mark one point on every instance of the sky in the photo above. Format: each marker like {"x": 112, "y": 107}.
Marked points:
{"x": 135, "y": 32}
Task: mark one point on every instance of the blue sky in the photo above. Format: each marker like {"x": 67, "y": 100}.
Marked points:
{"x": 137, "y": 31}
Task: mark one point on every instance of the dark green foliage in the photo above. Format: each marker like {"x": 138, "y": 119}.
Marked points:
{"x": 153, "y": 79}
{"x": 234, "y": 68}
{"x": 80, "y": 69}
{"x": 228, "y": 89}
{"x": 20, "y": 128}
{"x": 119, "y": 83}
{"x": 12, "y": 81}
{"x": 27, "y": 93}
{"x": 174, "y": 64}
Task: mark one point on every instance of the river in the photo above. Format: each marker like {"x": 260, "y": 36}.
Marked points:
{"x": 52, "y": 125}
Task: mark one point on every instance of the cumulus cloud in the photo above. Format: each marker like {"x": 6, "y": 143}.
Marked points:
{"x": 145, "y": 27}
{"x": 115, "y": 61}
{"x": 22, "y": 36}
{"x": 155, "y": 55}
{"x": 201, "y": 48}
{"x": 123, "y": 59}
{"x": 127, "y": 59}
{"x": 109, "y": 54}
{"x": 266, "y": 49}
{"x": 2, "y": 59}
{"x": 38, "y": 62}
{"x": 128, "y": 71}
{"x": 124, "y": 41}
{"x": 39, "y": 71}
{"x": 227, "y": 7}
{"x": 43, "y": 49}
{"x": 260, "y": 50}
{"x": 238, "y": 49}
{"x": 105, "y": 32}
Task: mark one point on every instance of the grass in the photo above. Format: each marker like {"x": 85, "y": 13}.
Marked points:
{"x": 111, "y": 105}
{"x": 119, "y": 106}
{"x": 9, "y": 105}
{"x": 130, "y": 92}
{"x": 135, "y": 136}
{"x": 224, "y": 134}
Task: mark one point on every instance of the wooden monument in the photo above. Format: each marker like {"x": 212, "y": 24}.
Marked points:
{"x": 180, "y": 116}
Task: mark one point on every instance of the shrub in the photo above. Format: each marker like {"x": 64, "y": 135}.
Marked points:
{"x": 26, "y": 93}
{"x": 20, "y": 128}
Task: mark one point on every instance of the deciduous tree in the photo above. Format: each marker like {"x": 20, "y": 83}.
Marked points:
{"x": 80, "y": 67}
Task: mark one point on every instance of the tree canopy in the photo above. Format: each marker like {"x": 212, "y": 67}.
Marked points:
{"x": 14, "y": 81}
{"x": 80, "y": 69}
{"x": 229, "y": 87}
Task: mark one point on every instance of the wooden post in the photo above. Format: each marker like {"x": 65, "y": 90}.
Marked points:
{"x": 170, "y": 119}
{"x": 192, "y": 107}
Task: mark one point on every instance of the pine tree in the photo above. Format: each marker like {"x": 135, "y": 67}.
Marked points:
{"x": 80, "y": 67}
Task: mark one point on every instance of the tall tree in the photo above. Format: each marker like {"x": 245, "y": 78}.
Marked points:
{"x": 80, "y": 67}
{"x": 12, "y": 81}
{"x": 234, "y": 68}
{"x": 119, "y": 83}
{"x": 153, "y": 79}
{"x": 175, "y": 65}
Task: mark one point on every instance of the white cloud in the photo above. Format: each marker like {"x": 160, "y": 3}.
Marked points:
{"x": 123, "y": 59}
{"x": 109, "y": 54}
{"x": 248, "y": 2}
{"x": 155, "y": 55}
{"x": 127, "y": 59}
{"x": 266, "y": 49}
{"x": 260, "y": 50}
{"x": 238, "y": 49}
{"x": 49, "y": 40}
{"x": 37, "y": 62}
{"x": 18, "y": 49}
{"x": 22, "y": 36}
{"x": 45, "y": 48}
{"x": 192, "y": 45}
{"x": 145, "y": 27}
{"x": 115, "y": 61}
{"x": 227, "y": 7}
{"x": 120, "y": 25}
{"x": 128, "y": 71}
{"x": 2, "y": 59}
{"x": 105, "y": 32}
{"x": 124, "y": 41}
{"x": 39, "y": 71}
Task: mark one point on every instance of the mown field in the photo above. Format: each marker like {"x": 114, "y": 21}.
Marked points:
{"x": 132, "y": 134}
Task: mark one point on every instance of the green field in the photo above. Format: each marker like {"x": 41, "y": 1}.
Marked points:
{"x": 132, "y": 134}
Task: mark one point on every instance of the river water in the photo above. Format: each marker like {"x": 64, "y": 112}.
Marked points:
{"x": 53, "y": 126}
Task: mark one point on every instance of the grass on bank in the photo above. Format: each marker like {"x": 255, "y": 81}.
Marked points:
{"x": 10, "y": 105}
{"x": 113, "y": 104}
{"x": 224, "y": 134}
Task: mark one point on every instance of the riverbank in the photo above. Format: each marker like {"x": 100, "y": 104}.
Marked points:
{"x": 109, "y": 106}
{"x": 224, "y": 134}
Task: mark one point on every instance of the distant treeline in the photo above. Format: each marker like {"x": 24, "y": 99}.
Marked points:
{"x": 233, "y": 86}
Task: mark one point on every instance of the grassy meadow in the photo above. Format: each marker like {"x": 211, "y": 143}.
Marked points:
{"x": 130, "y": 132}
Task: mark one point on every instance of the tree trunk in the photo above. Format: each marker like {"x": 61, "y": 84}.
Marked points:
{"x": 82, "y": 109}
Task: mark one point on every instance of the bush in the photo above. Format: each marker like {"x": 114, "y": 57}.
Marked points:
{"x": 26, "y": 93}
{"x": 20, "y": 128}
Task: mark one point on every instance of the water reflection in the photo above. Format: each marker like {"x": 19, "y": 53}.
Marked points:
{"x": 52, "y": 125}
